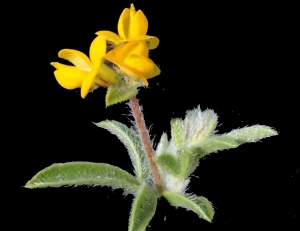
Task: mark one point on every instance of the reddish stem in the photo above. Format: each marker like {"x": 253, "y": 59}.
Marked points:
{"x": 140, "y": 122}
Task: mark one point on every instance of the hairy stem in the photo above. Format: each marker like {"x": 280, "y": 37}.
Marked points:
{"x": 140, "y": 123}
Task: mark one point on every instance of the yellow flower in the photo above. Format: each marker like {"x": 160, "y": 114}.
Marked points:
{"x": 132, "y": 26}
{"x": 86, "y": 73}
{"x": 132, "y": 60}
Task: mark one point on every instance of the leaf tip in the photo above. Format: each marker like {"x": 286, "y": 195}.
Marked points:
{"x": 28, "y": 185}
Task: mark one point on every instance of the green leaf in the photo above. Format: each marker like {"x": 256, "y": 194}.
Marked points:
{"x": 177, "y": 131}
{"x": 119, "y": 94}
{"x": 206, "y": 125}
{"x": 191, "y": 122}
{"x": 162, "y": 145}
{"x": 216, "y": 143}
{"x": 199, "y": 205}
{"x": 84, "y": 173}
{"x": 143, "y": 208}
{"x": 198, "y": 126}
{"x": 193, "y": 164}
{"x": 213, "y": 144}
{"x": 251, "y": 134}
{"x": 169, "y": 163}
{"x": 175, "y": 165}
{"x": 184, "y": 158}
{"x": 133, "y": 143}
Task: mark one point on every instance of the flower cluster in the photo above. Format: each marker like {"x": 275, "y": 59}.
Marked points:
{"x": 117, "y": 62}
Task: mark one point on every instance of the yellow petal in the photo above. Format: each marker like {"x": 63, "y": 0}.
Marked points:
{"x": 151, "y": 41}
{"x": 97, "y": 49}
{"x": 120, "y": 53}
{"x": 129, "y": 71}
{"x": 107, "y": 75}
{"x": 124, "y": 23}
{"x": 58, "y": 65}
{"x": 139, "y": 25}
{"x": 78, "y": 58}
{"x": 100, "y": 82}
{"x": 132, "y": 11}
{"x": 110, "y": 36}
{"x": 145, "y": 66}
{"x": 70, "y": 77}
{"x": 88, "y": 82}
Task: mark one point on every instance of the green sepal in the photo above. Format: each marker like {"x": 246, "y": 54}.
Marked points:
{"x": 116, "y": 94}
{"x": 251, "y": 134}
{"x": 84, "y": 173}
{"x": 133, "y": 143}
{"x": 143, "y": 208}
{"x": 200, "y": 205}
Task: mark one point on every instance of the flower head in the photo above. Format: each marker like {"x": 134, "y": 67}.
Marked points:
{"x": 132, "y": 26}
{"x": 86, "y": 73}
{"x": 118, "y": 62}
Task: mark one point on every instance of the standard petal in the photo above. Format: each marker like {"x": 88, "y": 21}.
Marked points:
{"x": 78, "y": 58}
{"x": 138, "y": 26}
{"x": 143, "y": 65}
{"x": 70, "y": 77}
{"x": 123, "y": 24}
{"x": 97, "y": 49}
{"x": 110, "y": 36}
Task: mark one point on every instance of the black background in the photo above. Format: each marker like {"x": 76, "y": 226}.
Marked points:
{"x": 232, "y": 58}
